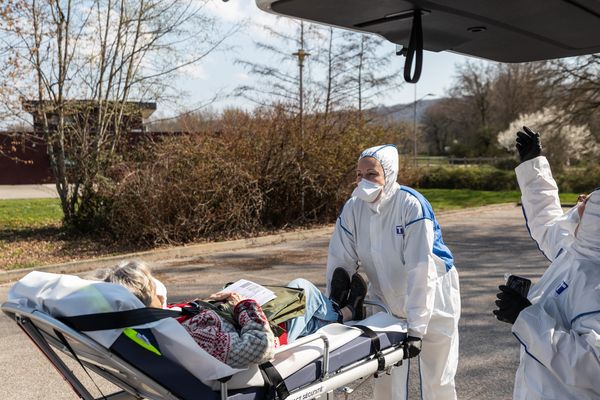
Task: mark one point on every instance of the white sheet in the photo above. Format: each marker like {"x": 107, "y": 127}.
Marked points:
{"x": 67, "y": 295}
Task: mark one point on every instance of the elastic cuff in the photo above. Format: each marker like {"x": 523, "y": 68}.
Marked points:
{"x": 413, "y": 333}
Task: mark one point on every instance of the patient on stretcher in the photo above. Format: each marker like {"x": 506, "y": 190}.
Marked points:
{"x": 244, "y": 337}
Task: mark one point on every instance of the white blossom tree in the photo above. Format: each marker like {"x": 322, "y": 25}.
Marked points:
{"x": 562, "y": 142}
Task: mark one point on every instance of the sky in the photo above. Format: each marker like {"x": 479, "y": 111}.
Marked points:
{"x": 219, "y": 73}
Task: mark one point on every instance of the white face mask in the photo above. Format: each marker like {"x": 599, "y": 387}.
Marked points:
{"x": 367, "y": 190}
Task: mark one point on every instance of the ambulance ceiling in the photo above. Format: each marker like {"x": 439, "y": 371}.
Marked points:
{"x": 499, "y": 30}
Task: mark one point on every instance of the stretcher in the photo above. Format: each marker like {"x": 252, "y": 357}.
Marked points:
{"x": 312, "y": 367}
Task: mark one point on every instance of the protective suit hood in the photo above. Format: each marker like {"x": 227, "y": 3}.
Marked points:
{"x": 587, "y": 237}
{"x": 387, "y": 155}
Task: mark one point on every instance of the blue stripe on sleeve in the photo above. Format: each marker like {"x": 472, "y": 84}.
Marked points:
{"x": 344, "y": 228}
{"x": 584, "y": 314}
{"x": 439, "y": 247}
{"x": 525, "y": 347}
{"x": 529, "y": 231}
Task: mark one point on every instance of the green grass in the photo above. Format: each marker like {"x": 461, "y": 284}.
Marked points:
{"x": 29, "y": 214}
{"x": 41, "y": 213}
{"x": 453, "y": 199}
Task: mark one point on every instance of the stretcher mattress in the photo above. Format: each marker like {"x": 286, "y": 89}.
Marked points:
{"x": 180, "y": 381}
{"x": 356, "y": 350}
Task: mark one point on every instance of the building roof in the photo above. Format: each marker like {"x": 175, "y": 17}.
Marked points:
{"x": 145, "y": 108}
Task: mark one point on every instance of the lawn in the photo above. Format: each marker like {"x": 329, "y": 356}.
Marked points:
{"x": 29, "y": 214}
{"x": 31, "y": 232}
{"x": 31, "y": 235}
{"x": 453, "y": 199}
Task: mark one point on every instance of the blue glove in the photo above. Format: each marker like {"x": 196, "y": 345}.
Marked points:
{"x": 528, "y": 144}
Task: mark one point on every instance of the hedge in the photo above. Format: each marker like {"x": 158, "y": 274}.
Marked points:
{"x": 573, "y": 180}
{"x": 475, "y": 178}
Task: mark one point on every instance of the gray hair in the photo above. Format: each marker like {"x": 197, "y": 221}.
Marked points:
{"x": 134, "y": 275}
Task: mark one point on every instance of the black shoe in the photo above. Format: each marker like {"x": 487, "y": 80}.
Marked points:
{"x": 340, "y": 287}
{"x": 356, "y": 298}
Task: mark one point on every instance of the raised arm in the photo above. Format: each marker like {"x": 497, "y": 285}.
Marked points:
{"x": 541, "y": 207}
{"x": 539, "y": 196}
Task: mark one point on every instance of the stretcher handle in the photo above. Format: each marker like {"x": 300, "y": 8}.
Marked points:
{"x": 378, "y": 304}
{"x": 309, "y": 339}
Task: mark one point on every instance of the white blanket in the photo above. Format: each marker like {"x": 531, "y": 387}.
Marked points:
{"x": 67, "y": 295}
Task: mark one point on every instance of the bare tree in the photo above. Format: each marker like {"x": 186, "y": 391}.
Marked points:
{"x": 518, "y": 89}
{"x": 336, "y": 63}
{"x": 369, "y": 72}
{"x": 84, "y": 67}
{"x": 286, "y": 55}
{"x": 441, "y": 125}
{"x": 577, "y": 83}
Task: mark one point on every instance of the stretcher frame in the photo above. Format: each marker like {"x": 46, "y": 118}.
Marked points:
{"x": 42, "y": 329}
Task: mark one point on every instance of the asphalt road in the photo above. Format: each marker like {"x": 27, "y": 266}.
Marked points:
{"x": 45, "y": 191}
{"x": 487, "y": 243}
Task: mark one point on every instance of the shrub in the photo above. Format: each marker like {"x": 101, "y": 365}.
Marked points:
{"x": 239, "y": 174}
{"x": 181, "y": 190}
{"x": 507, "y": 163}
{"x": 579, "y": 180}
{"x": 475, "y": 178}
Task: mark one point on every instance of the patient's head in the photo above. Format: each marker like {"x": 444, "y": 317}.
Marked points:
{"x": 135, "y": 276}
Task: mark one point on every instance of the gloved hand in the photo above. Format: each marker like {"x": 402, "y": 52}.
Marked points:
{"x": 510, "y": 304}
{"x": 528, "y": 144}
{"x": 412, "y": 347}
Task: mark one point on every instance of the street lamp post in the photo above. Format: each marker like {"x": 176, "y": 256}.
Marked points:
{"x": 415, "y": 122}
{"x": 301, "y": 54}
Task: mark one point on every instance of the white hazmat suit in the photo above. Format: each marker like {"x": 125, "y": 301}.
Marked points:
{"x": 397, "y": 242}
{"x": 560, "y": 332}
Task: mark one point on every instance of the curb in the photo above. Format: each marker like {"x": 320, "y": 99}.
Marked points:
{"x": 170, "y": 253}
{"x": 195, "y": 249}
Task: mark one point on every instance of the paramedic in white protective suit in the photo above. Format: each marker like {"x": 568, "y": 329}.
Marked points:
{"x": 558, "y": 325}
{"x": 389, "y": 232}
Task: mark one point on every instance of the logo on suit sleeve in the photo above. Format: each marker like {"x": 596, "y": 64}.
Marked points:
{"x": 399, "y": 230}
{"x": 561, "y": 288}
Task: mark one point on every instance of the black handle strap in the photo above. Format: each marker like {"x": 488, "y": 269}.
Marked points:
{"x": 375, "y": 345}
{"x": 118, "y": 319}
{"x": 415, "y": 50}
{"x": 274, "y": 380}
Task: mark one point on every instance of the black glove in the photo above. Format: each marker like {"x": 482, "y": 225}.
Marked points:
{"x": 412, "y": 347}
{"x": 510, "y": 304}
{"x": 528, "y": 144}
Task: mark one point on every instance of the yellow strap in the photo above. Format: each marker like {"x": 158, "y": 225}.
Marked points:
{"x": 140, "y": 339}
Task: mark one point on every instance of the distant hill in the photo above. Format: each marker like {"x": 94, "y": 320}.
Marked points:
{"x": 404, "y": 112}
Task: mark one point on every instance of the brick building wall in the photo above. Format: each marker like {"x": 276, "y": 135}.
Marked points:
{"x": 23, "y": 162}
